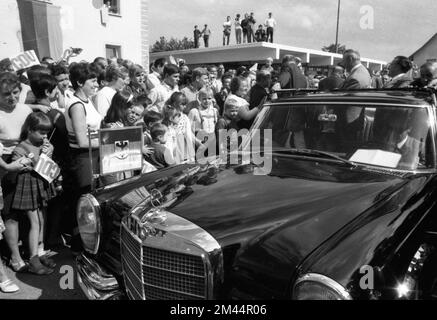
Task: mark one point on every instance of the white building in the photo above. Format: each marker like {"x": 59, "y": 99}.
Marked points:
{"x": 427, "y": 52}
{"x": 257, "y": 52}
{"x": 104, "y": 28}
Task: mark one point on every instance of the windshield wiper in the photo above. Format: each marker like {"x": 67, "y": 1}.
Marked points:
{"x": 317, "y": 153}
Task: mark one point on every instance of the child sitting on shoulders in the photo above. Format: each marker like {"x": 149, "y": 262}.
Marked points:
{"x": 32, "y": 191}
{"x": 161, "y": 156}
{"x": 226, "y": 139}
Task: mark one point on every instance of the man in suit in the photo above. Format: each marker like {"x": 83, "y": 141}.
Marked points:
{"x": 334, "y": 81}
{"x": 359, "y": 77}
{"x": 399, "y": 72}
{"x": 291, "y": 77}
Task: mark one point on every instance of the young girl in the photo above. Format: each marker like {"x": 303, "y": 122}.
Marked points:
{"x": 117, "y": 114}
{"x": 205, "y": 117}
{"x": 171, "y": 120}
{"x": 186, "y": 141}
{"x": 33, "y": 192}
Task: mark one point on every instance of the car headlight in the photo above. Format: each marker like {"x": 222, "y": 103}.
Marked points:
{"x": 314, "y": 286}
{"x": 88, "y": 219}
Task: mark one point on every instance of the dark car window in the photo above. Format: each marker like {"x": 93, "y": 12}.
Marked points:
{"x": 397, "y": 137}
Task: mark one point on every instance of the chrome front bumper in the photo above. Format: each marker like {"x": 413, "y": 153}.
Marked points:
{"x": 95, "y": 282}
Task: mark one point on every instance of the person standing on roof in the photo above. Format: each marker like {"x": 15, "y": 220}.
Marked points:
{"x": 206, "y": 33}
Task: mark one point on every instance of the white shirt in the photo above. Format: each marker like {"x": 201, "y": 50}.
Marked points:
{"x": 11, "y": 123}
{"x": 160, "y": 94}
{"x": 154, "y": 78}
{"x": 227, "y": 24}
{"x": 23, "y": 94}
{"x": 271, "y": 22}
{"x": 204, "y": 119}
{"x": 240, "y": 101}
{"x": 103, "y": 100}
{"x": 237, "y": 23}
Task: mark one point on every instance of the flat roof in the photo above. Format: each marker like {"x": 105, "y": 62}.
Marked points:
{"x": 258, "y": 52}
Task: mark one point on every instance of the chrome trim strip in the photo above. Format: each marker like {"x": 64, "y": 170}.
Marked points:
{"x": 142, "y": 294}
{"x": 315, "y": 277}
{"x": 96, "y": 283}
{"x": 351, "y": 103}
{"x": 174, "y": 291}
{"x": 172, "y": 271}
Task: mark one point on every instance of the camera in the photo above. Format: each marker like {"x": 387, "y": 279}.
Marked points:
{"x": 76, "y": 50}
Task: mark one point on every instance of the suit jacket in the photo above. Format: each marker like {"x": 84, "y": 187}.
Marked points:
{"x": 291, "y": 77}
{"x": 330, "y": 83}
{"x": 358, "y": 79}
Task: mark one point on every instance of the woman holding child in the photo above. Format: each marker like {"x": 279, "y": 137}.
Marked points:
{"x": 12, "y": 117}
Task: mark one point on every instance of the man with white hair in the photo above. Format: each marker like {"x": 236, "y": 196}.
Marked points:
{"x": 268, "y": 66}
{"x": 359, "y": 77}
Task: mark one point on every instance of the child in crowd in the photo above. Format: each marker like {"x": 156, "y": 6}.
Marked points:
{"x": 205, "y": 116}
{"x": 33, "y": 192}
{"x": 172, "y": 117}
{"x": 136, "y": 111}
{"x": 185, "y": 139}
{"x": 226, "y": 123}
{"x": 150, "y": 118}
{"x": 161, "y": 156}
{"x": 117, "y": 114}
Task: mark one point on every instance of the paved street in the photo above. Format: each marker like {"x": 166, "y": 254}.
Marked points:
{"x": 33, "y": 287}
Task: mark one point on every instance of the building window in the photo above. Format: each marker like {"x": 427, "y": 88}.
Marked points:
{"x": 113, "y": 51}
{"x": 113, "y": 6}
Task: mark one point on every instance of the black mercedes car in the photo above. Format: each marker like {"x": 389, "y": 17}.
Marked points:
{"x": 342, "y": 207}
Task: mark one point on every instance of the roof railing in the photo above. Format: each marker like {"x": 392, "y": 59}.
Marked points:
{"x": 294, "y": 92}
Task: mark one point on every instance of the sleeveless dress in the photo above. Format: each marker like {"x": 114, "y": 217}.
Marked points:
{"x": 81, "y": 164}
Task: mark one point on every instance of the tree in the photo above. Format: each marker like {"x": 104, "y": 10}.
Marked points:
{"x": 171, "y": 45}
{"x": 331, "y": 48}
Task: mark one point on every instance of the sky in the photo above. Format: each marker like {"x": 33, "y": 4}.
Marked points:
{"x": 397, "y": 27}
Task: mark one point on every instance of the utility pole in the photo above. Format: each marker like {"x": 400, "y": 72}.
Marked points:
{"x": 336, "y": 33}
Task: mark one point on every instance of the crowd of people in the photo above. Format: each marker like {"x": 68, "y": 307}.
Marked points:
{"x": 245, "y": 30}
{"x": 53, "y": 110}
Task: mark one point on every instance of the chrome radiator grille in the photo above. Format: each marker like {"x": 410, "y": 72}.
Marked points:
{"x": 154, "y": 273}
{"x": 131, "y": 254}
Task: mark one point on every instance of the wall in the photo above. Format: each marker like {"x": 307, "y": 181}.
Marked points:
{"x": 427, "y": 52}
{"x": 82, "y": 27}
{"x": 145, "y": 33}
{"x": 10, "y": 29}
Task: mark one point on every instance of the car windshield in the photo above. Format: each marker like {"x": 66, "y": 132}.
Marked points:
{"x": 396, "y": 137}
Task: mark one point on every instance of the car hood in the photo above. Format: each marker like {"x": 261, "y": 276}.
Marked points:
{"x": 320, "y": 198}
